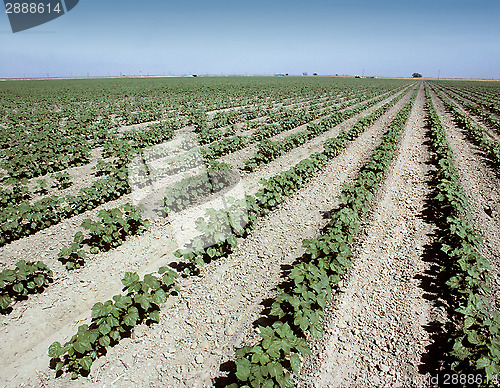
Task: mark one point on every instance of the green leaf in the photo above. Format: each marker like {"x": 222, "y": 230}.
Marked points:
{"x": 154, "y": 315}
{"x": 132, "y": 316}
{"x": 168, "y": 276}
{"x": 267, "y": 384}
{"x": 59, "y": 366}
{"x": 492, "y": 371}
{"x": 295, "y": 362}
{"x": 275, "y": 369}
{"x": 159, "y": 296}
{"x": 99, "y": 310}
{"x": 151, "y": 281}
{"x": 130, "y": 279}
{"x": 301, "y": 321}
{"x": 122, "y": 302}
{"x": 104, "y": 328}
{"x": 18, "y": 288}
{"x": 483, "y": 362}
{"x": 232, "y": 240}
{"x": 78, "y": 238}
{"x": 144, "y": 299}
{"x": 86, "y": 363}
{"x": 243, "y": 371}
{"x": 274, "y": 349}
{"x": 39, "y": 281}
{"x": 316, "y": 330}
{"x": 81, "y": 347}
{"x": 211, "y": 252}
{"x": 302, "y": 347}
{"x": 56, "y": 350}
{"x": 5, "y": 301}
{"x": 459, "y": 350}
{"x": 105, "y": 341}
{"x": 475, "y": 338}
{"x": 115, "y": 335}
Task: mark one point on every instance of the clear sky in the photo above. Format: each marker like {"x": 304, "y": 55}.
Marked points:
{"x": 452, "y": 38}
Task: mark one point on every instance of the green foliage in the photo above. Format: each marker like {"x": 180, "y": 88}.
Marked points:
{"x": 73, "y": 256}
{"x": 18, "y": 194}
{"x": 114, "y": 226}
{"x": 220, "y": 229}
{"x": 193, "y": 189}
{"x": 198, "y": 119}
{"x": 225, "y": 147}
{"x": 108, "y": 233}
{"x": 231, "y": 131}
{"x": 113, "y": 320}
{"x": 475, "y": 132}
{"x": 268, "y": 198}
{"x": 486, "y": 109}
{"x": 63, "y": 180}
{"x": 26, "y": 219}
{"x": 476, "y": 346}
{"x": 26, "y": 278}
{"x": 40, "y": 152}
{"x": 269, "y": 150}
{"x": 42, "y": 186}
{"x": 52, "y": 130}
{"x": 301, "y": 300}
{"x": 207, "y": 136}
{"x": 151, "y": 135}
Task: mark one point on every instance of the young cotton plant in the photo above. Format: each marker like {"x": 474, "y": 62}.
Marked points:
{"x": 73, "y": 256}
{"x": 219, "y": 231}
{"x": 476, "y": 347}
{"x": 301, "y": 299}
{"x": 115, "y": 225}
{"x": 112, "y": 321}
{"x": 108, "y": 233}
{"x": 62, "y": 180}
{"x": 26, "y": 278}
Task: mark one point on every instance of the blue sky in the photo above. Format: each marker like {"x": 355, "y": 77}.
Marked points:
{"x": 384, "y": 38}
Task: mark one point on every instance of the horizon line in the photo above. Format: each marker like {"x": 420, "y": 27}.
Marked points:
{"x": 195, "y": 75}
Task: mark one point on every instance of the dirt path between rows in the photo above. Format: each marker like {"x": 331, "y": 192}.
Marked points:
{"x": 375, "y": 332}
{"x": 469, "y": 95}
{"x": 212, "y": 314}
{"x": 236, "y": 159}
{"x": 477, "y": 120}
{"x": 481, "y": 183}
{"x": 83, "y": 176}
{"x": 46, "y": 243}
{"x": 299, "y": 153}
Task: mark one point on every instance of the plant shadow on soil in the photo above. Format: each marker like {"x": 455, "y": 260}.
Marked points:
{"x": 266, "y": 319}
{"x": 478, "y": 150}
{"x": 433, "y": 282}
{"x": 481, "y": 153}
{"x": 20, "y": 298}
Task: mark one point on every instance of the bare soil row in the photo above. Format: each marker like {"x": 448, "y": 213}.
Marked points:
{"x": 66, "y": 303}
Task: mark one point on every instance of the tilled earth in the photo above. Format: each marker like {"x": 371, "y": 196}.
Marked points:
{"x": 378, "y": 326}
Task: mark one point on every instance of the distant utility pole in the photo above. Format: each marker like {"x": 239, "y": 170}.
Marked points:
{"x": 363, "y": 74}
{"x": 439, "y": 73}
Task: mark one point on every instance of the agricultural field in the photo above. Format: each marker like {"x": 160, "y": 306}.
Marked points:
{"x": 249, "y": 232}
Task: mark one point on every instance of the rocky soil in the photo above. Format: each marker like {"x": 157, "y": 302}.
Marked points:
{"x": 380, "y": 325}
